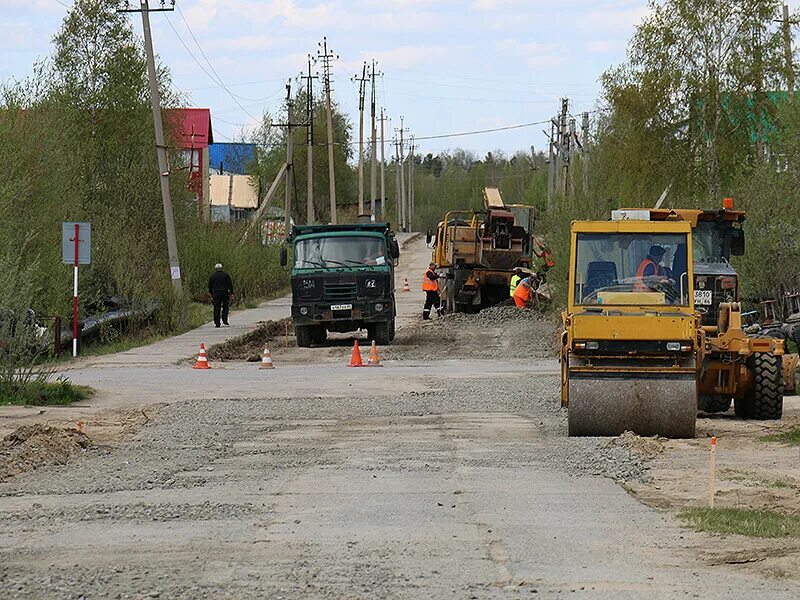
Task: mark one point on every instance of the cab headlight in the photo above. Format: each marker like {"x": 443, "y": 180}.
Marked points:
{"x": 304, "y": 311}
{"x": 379, "y": 307}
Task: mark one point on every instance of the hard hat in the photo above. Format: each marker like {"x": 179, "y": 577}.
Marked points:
{"x": 218, "y": 266}
{"x": 657, "y": 251}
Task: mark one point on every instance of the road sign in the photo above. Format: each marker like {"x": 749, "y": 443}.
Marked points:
{"x": 84, "y": 246}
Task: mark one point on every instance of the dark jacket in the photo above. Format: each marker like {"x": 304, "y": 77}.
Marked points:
{"x": 220, "y": 284}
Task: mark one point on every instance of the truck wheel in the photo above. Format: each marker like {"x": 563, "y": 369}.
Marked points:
{"x": 304, "y": 335}
{"x": 765, "y": 399}
{"x": 391, "y": 330}
{"x": 714, "y": 403}
{"x": 319, "y": 334}
{"x": 380, "y": 332}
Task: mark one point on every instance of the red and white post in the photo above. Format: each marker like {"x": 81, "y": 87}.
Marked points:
{"x": 75, "y": 294}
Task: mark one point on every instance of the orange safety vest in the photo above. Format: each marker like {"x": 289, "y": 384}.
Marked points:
{"x": 639, "y": 285}
{"x": 428, "y": 284}
{"x": 523, "y": 292}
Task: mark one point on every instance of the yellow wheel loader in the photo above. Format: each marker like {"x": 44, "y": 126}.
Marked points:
{"x": 629, "y": 357}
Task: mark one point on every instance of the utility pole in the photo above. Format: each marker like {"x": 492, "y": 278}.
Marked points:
{"x": 287, "y": 215}
{"x": 562, "y": 162}
{"x": 397, "y": 201}
{"x": 309, "y": 146}
{"x": 161, "y": 147}
{"x": 383, "y": 166}
{"x": 373, "y": 175}
{"x": 403, "y": 203}
{"x": 411, "y": 181}
{"x": 787, "y": 50}
{"x": 571, "y": 155}
{"x": 361, "y": 92}
{"x": 326, "y": 57}
{"x": 585, "y": 152}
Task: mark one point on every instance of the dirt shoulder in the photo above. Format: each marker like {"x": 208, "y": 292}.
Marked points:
{"x": 752, "y": 474}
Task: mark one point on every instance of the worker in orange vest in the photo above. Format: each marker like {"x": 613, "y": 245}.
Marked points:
{"x": 650, "y": 267}
{"x": 523, "y": 293}
{"x": 431, "y": 289}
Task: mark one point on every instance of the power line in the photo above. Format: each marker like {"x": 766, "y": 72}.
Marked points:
{"x": 240, "y": 84}
{"x": 199, "y": 64}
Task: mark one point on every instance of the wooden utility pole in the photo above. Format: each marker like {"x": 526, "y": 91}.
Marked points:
{"x": 411, "y": 181}
{"x": 361, "y": 92}
{"x": 403, "y": 202}
{"x": 787, "y": 50}
{"x": 383, "y": 167}
{"x": 397, "y": 202}
{"x": 562, "y": 162}
{"x": 373, "y": 174}
{"x": 585, "y": 152}
{"x": 571, "y": 160}
{"x": 309, "y": 145}
{"x": 161, "y": 147}
{"x": 326, "y": 57}
{"x": 287, "y": 215}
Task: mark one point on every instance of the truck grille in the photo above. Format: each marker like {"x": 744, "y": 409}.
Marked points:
{"x": 340, "y": 291}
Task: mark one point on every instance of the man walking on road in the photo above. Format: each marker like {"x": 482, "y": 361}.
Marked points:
{"x": 220, "y": 287}
{"x": 431, "y": 289}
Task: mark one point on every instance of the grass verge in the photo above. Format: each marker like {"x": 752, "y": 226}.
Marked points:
{"x": 790, "y": 438}
{"x": 753, "y": 523}
{"x": 45, "y": 394}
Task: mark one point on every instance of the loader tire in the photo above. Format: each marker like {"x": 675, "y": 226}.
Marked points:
{"x": 304, "y": 335}
{"x": 714, "y": 403}
{"x": 765, "y": 399}
{"x": 380, "y": 333}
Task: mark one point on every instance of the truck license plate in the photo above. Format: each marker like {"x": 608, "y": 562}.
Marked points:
{"x": 702, "y": 297}
{"x": 347, "y": 306}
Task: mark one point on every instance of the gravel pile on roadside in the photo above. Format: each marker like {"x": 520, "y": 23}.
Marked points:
{"x": 32, "y": 446}
{"x": 496, "y": 332}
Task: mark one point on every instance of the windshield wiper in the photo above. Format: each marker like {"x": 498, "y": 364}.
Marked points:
{"x": 336, "y": 262}
{"x": 356, "y": 262}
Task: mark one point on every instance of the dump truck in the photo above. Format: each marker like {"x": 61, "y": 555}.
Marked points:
{"x": 476, "y": 252}
{"x": 629, "y": 349}
{"x": 342, "y": 280}
{"x": 737, "y": 367}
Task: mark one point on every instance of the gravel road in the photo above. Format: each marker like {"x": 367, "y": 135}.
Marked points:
{"x": 446, "y": 474}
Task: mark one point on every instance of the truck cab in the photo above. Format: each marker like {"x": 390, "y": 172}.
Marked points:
{"x": 342, "y": 280}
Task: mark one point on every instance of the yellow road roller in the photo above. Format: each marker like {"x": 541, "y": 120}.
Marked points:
{"x": 629, "y": 356}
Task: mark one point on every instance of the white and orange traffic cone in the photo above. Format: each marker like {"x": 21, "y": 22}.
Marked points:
{"x": 406, "y": 287}
{"x": 355, "y": 358}
{"x": 266, "y": 359}
{"x": 373, "y": 360}
{"x": 202, "y": 359}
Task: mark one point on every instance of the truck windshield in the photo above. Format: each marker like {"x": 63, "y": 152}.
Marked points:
{"x": 631, "y": 268}
{"x": 339, "y": 251}
{"x": 708, "y": 242}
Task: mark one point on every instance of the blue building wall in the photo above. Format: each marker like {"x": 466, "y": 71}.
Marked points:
{"x": 231, "y": 157}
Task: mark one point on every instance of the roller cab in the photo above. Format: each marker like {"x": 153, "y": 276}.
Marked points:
{"x": 629, "y": 355}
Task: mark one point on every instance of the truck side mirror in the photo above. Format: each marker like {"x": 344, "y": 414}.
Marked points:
{"x": 737, "y": 242}
{"x": 428, "y": 237}
{"x": 394, "y": 249}
{"x": 284, "y": 256}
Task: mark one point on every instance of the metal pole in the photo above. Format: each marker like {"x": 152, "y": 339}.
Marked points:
{"x": 75, "y": 293}
{"x": 361, "y": 139}
{"x": 787, "y": 49}
{"x": 161, "y": 148}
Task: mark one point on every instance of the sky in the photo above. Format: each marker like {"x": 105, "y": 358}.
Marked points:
{"x": 447, "y": 66}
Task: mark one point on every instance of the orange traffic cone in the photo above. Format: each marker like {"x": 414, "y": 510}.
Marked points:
{"x": 406, "y": 287}
{"x": 202, "y": 359}
{"x": 355, "y": 358}
{"x": 266, "y": 359}
{"x": 374, "y": 361}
